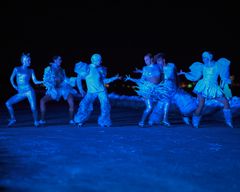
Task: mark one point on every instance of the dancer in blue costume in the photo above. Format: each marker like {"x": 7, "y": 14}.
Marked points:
{"x": 183, "y": 100}
{"x": 25, "y": 91}
{"x": 148, "y": 86}
{"x": 57, "y": 85}
{"x": 95, "y": 76}
{"x": 207, "y": 87}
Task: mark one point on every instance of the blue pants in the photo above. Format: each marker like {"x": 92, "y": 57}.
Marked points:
{"x": 86, "y": 107}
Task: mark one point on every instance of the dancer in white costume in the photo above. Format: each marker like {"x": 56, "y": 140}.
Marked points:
{"x": 57, "y": 86}
{"x": 95, "y": 76}
{"x": 148, "y": 86}
{"x": 25, "y": 91}
{"x": 184, "y": 101}
{"x": 207, "y": 87}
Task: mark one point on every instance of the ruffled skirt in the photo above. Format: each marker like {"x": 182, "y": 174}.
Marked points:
{"x": 63, "y": 91}
{"x": 152, "y": 91}
{"x": 209, "y": 90}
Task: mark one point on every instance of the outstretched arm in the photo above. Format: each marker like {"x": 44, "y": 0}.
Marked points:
{"x": 195, "y": 73}
{"x": 128, "y": 78}
{"x": 110, "y": 80}
{"x": 35, "y": 81}
{"x": 12, "y": 78}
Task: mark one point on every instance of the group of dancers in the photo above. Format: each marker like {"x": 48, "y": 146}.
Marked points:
{"x": 158, "y": 86}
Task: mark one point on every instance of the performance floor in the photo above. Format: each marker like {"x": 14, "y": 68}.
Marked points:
{"x": 124, "y": 157}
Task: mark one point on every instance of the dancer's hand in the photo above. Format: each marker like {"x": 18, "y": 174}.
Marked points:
{"x": 181, "y": 72}
{"x": 118, "y": 77}
{"x": 137, "y": 70}
{"x": 127, "y": 78}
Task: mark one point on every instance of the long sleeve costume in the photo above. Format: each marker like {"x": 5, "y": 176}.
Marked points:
{"x": 95, "y": 77}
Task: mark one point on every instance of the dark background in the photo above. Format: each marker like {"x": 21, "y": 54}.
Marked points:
{"x": 122, "y": 31}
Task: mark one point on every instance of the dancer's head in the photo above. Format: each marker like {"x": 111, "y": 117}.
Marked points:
{"x": 207, "y": 57}
{"x": 57, "y": 60}
{"x": 159, "y": 59}
{"x": 96, "y": 59}
{"x": 25, "y": 59}
{"x": 148, "y": 59}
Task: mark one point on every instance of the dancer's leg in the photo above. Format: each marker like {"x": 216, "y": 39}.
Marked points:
{"x": 104, "y": 119}
{"x": 70, "y": 101}
{"x": 32, "y": 101}
{"x": 226, "y": 111}
{"x": 9, "y": 104}
{"x": 197, "y": 114}
{"x": 85, "y": 108}
{"x": 43, "y": 102}
{"x": 146, "y": 112}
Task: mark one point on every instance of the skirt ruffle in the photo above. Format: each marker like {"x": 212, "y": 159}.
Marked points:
{"x": 208, "y": 90}
{"x": 57, "y": 93}
{"x": 152, "y": 91}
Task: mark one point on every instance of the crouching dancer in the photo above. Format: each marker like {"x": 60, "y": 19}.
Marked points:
{"x": 23, "y": 76}
{"x": 57, "y": 86}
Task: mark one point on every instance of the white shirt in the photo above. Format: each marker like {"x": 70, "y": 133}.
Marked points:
{"x": 94, "y": 79}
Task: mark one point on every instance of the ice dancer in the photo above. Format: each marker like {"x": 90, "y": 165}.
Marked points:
{"x": 23, "y": 75}
{"x": 184, "y": 101}
{"x": 57, "y": 86}
{"x": 147, "y": 86}
{"x": 95, "y": 76}
{"x": 206, "y": 74}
